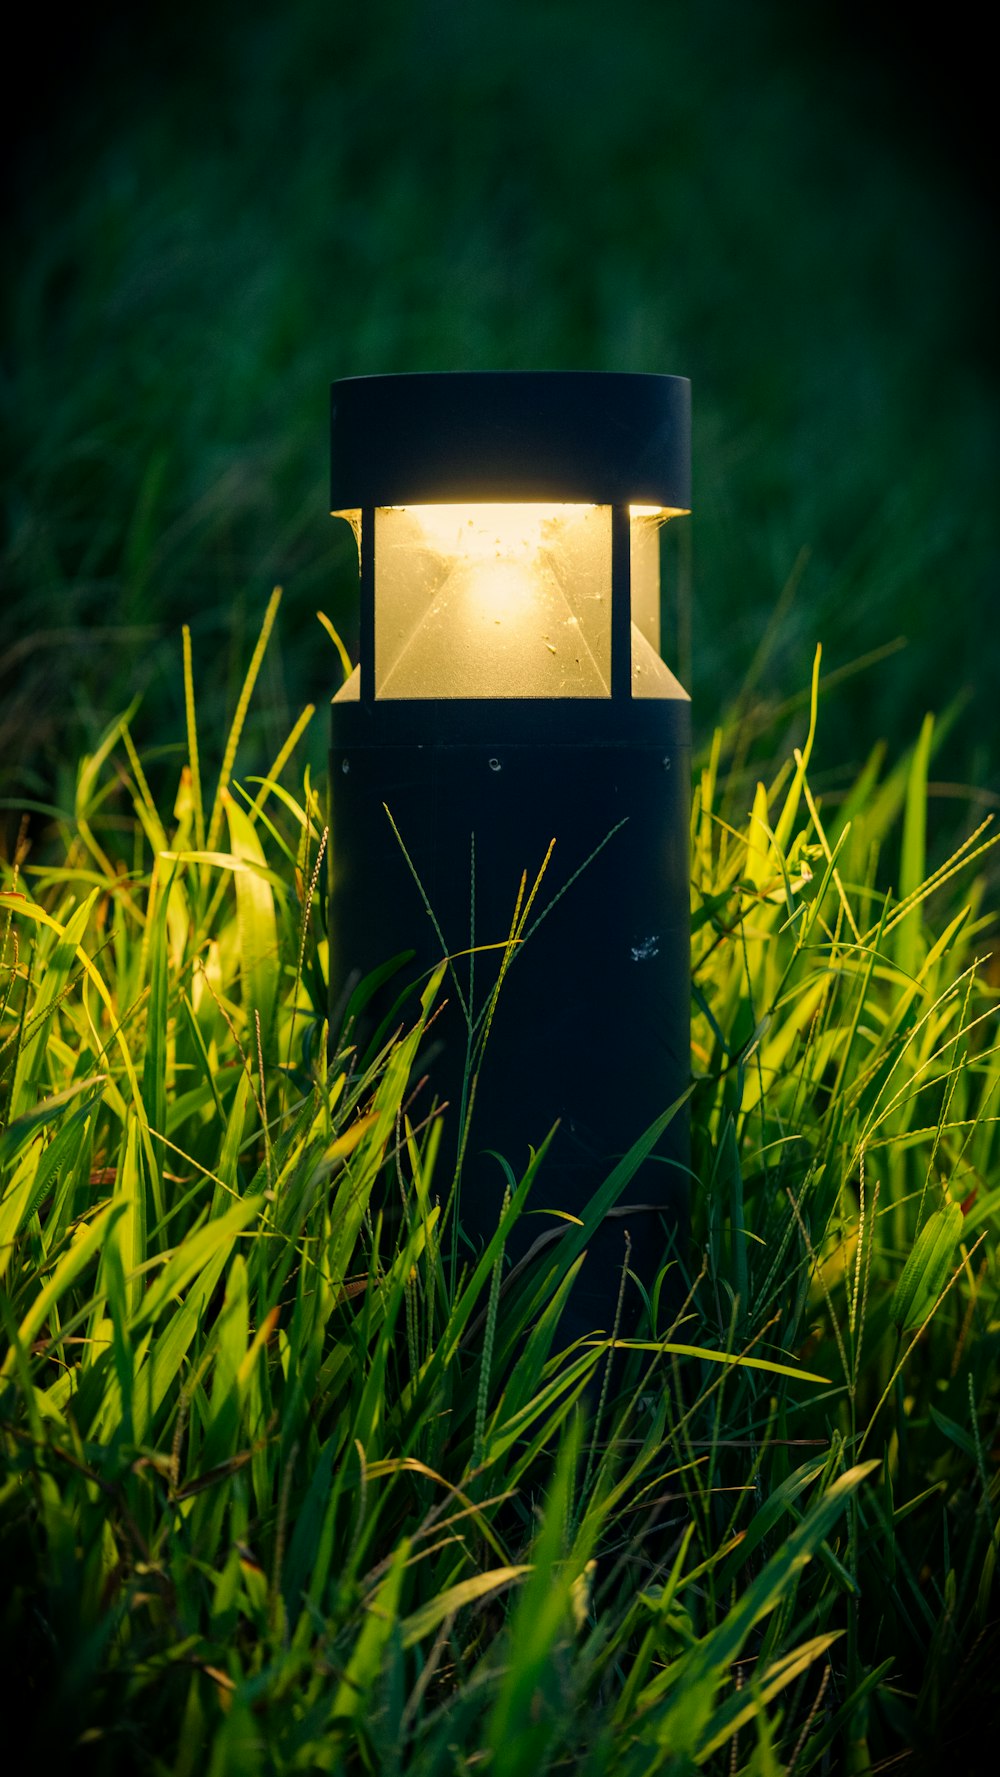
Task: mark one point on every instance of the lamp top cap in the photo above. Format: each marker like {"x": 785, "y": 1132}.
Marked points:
{"x": 597, "y": 437}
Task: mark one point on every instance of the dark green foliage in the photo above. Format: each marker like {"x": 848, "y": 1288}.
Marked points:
{"x": 222, "y": 208}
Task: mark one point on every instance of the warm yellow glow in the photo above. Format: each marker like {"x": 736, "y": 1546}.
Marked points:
{"x": 662, "y": 512}
{"x": 501, "y": 546}
{"x": 488, "y": 532}
{"x": 502, "y": 599}
{"x": 493, "y": 600}
{"x": 644, "y": 557}
{"x": 651, "y": 676}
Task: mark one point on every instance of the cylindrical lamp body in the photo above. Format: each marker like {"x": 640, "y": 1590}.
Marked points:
{"x": 511, "y": 694}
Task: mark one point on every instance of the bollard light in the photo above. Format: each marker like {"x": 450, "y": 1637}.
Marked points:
{"x": 511, "y": 692}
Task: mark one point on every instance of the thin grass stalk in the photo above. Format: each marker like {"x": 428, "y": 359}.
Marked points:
{"x": 281, "y": 759}
{"x": 236, "y": 729}
{"x": 303, "y": 936}
{"x": 489, "y": 1335}
{"x": 190, "y": 713}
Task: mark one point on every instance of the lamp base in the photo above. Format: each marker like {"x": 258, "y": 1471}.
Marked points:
{"x": 591, "y": 1022}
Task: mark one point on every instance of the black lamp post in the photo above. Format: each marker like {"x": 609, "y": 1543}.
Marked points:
{"x": 511, "y": 692}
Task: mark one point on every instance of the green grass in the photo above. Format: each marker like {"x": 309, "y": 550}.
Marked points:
{"x": 278, "y": 1496}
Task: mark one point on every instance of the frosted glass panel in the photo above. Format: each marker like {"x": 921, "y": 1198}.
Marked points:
{"x": 651, "y": 677}
{"x": 644, "y": 551}
{"x": 493, "y": 601}
{"x": 350, "y": 690}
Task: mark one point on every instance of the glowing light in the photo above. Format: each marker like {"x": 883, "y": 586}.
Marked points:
{"x": 491, "y": 533}
{"x": 493, "y": 600}
{"x": 504, "y": 599}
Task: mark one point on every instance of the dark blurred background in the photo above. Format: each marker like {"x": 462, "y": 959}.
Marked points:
{"x": 211, "y": 211}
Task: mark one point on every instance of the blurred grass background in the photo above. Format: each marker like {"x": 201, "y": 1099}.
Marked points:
{"x": 214, "y": 210}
